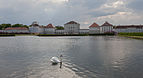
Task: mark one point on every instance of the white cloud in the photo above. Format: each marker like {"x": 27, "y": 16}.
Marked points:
{"x": 124, "y": 17}
{"x": 112, "y": 7}
{"x": 115, "y": 4}
{"x": 50, "y": 1}
{"x": 59, "y": 1}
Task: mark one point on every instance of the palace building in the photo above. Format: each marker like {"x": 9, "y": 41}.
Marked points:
{"x": 17, "y": 30}
{"x": 94, "y": 28}
{"x": 73, "y": 27}
{"x": 128, "y": 28}
{"x": 106, "y": 28}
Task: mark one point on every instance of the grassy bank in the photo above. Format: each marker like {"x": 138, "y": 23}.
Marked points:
{"x": 136, "y": 37}
{"x": 132, "y": 35}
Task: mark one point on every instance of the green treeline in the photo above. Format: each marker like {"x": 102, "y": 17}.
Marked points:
{"x": 59, "y": 28}
{"x": 132, "y": 34}
{"x": 3, "y": 26}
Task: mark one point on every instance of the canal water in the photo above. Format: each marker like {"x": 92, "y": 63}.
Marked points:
{"x": 83, "y": 57}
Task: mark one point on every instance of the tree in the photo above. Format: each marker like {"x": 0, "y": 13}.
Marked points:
{"x": 3, "y": 26}
{"x": 26, "y": 26}
{"x": 59, "y": 27}
{"x": 17, "y": 25}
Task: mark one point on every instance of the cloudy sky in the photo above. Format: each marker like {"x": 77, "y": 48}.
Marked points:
{"x": 58, "y": 12}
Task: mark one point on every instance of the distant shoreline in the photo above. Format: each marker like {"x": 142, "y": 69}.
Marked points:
{"x": 105, "y": 34}
{"x": 6, "y": 35}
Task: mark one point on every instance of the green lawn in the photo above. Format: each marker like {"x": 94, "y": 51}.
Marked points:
{"x": 132, "y": 35}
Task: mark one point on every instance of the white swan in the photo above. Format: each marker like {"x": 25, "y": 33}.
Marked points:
{"x": 55, "y": 60}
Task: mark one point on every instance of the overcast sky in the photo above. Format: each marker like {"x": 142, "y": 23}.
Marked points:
{"x": 59, "y": 12}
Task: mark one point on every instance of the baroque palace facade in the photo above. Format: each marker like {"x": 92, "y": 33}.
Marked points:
{"x": 73, "y": 27}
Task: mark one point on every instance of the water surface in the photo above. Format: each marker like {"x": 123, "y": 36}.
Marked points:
{"x": 86, "y": 57}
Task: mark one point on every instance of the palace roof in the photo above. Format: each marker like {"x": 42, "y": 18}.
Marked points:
{"x": 49, "y": 26}
{"x": 94, "y": 25}
{"x": 72, "y": 22}
{"x": 107, "y": 24}
{"x": 35, "y": 24}
{"x": 16, "y": 28}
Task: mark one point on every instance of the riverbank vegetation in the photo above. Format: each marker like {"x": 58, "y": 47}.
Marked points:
{"x": 131, "y": 34}
{"x": 59, "y": 28}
